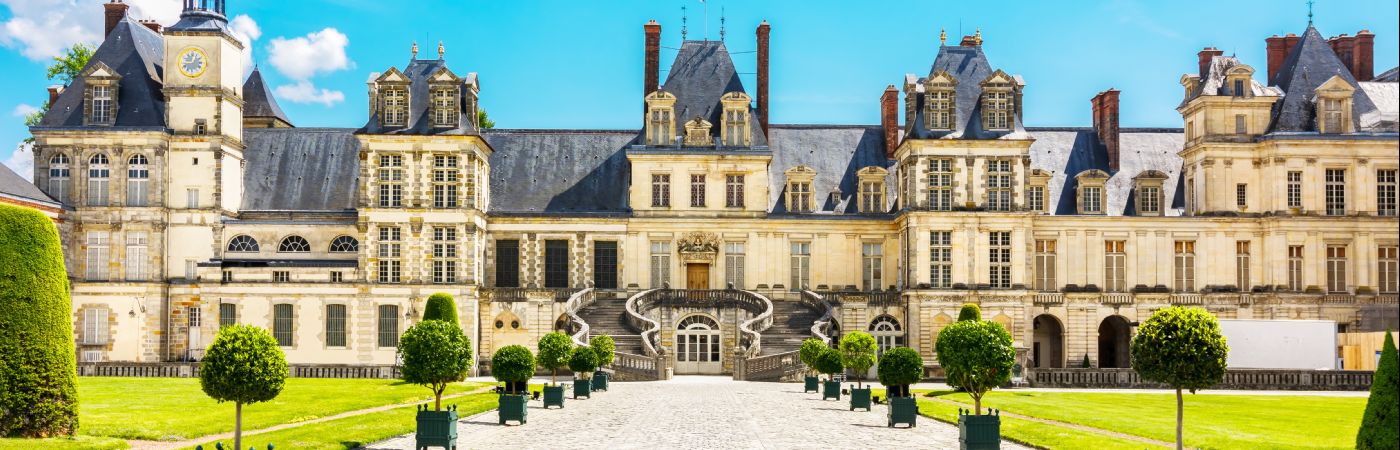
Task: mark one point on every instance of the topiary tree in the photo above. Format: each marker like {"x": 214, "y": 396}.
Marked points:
{"x": 899, "y": 368}
{"x": 38, "y": 373}
{"x": 976, "y": 356}
{"x": 583, "y": 360}
{"x": 858, "y": 353}
{"x": 969, "y": 311}
{"x": 440, "y": 307}
{"x": 811, "y": 348}
{"x": 1085, "y": 363}
{"x": 513, "y": 365}
{"x": 243, "y": 365}
{"x": 1183, "y": 348}
{"x": 1380, "y": 426}
{"x": 604, "y": 348}
{"x": 553, "y": 353}
{"x": 435, "y": 353}
{"x": 829, "y": 362}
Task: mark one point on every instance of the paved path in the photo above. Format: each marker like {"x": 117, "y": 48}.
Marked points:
{"x": 698, "y": 413}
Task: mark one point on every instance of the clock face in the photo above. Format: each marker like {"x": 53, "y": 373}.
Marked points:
{"x": 192, "y": 62}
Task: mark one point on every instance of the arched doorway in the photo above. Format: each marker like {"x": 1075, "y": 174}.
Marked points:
{"x": 887, "y": 332}
{"x": 1048, "y": 342}
{"x": 1114, "y": 334}
{"x": 697, "y": 346}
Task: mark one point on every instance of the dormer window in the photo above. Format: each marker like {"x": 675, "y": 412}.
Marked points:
{"x": 395, "y": 107}
{"x": 1149, "y": 192}
{"x": 1037, "y": 182}
{"x": 1091, "y": 191}
{"x": 1239, "y": 80}
{"x": 734, "y": 123}
{"x": 799, "y": 189}
{"x": 1333, "y": 104}
{"x": 697, "y": 133}
{"x": 661, "y": 119}
{"x": 941, "y": 101}
{"x": 100, "y": 99}
{"x": 996, "y": 110}
{"x": 872, "y": 189}
{"x": 1331, "y": 115}
{"x": 102, "y": 103}
{"x": 445, "y": 112}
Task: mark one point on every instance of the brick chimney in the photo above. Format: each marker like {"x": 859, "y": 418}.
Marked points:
{"x": 54, "y": 92}
{"x": 1278, "y": 51}
{"x": 1342, "y": 46}
{"x": 114, "y": 12}
{"x": 1204, "y": 58}
{"x": 762, "y": 95}
{"x": 889, "y": 119}
{"x": 1363, "y": 54}
{"x": 152, "y": 25}
{"x": 1105, "y": 106}
{"x": 653, "y": 58}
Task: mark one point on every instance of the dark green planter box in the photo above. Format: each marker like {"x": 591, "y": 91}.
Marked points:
{"x": 512, "y": 407}
{"x": 979, "y": 432}
{"x": 553, "y": 396}
{"x": 831, "y": 390}
{"x": 600, "y": 381}
{"x": 903, "y": 410}
{"x": 436, "y": 429}
{"x": 582, "y": 388}
{"x": 860, "y": 398}
{"x": 809, "y": 384}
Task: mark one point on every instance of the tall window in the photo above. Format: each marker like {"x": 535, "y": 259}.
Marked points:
{"x": 940, "y": 184}
{"x": 1114, "y": 260}
{"x": 59, "y": 175}
{"x": 282, "y": 324}
{"x": 1336, "y": 193}
{"x": 97, "y": 255}
{"x": 1035, "y": 198}
{"x": 734, "y": 259}
{"x": 1336, "y": 268}
{"x": 99, "y": 173}
{"x": 390, "y": 250}
{"x": 95, "y": 326}
{"x": 556, "y": 264}
{"x": 1241, "y": 125}
{"x": 734, "y": 191}
{"x": 1332, "y": 115}
{"x": 872, "y": 196}
{"x": 999, "y": 259}
{"x": 445, "y": 181}
{"x": 996, "y": 114}
{"x": 999, "y": 185}
{"x": 1388, "y": 268}
{"x": 395, "y": 107}
{"x": 1242, "y": 265}
{"x": 1092, "y": 200}
{"x": 1295, "y": 268}
{"x": 138, "y": 178}
{"x": 101, "y": 104}
{"x": 800, "y": 196}
{"x": 473, "y": 173}
{"x": 660, "y": 190}
{"x": 335, "y": 325}
{"x": 1185, "y": 273}
{"x": 661, "y": 126}
{"x": 941, "y": 259}
{"x": 445, "y": 113}
{"x": 228, "y": 314}
{"x": 801, "y": 265}
{"x": 1385, "y": 192}
{"x": 1045, "y": 265}
{"x": 660, "y": 264}
{"x": 1295, "y": 189}
{"x": 697, "y": 190}
{"x": 508, "y": 263}
{"x": 1242, "y": 195}
{"x": 1190, "y": 196}
{"x": 444, "y": 255}
{"x": 192, "y": 198}
{"x": 391, "y": 181}
{"x": 136, "y": 256}
{"x": 388, "y": 326}
{"x": 941, "y": 109}
{"x": 605, "y": 264}
{"x": 1149, "y": 200}
{"x": 872, "y": 265}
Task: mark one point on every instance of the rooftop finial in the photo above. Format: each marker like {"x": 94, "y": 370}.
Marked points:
{"x": 442, "y": 51}
{"x": 1310, "y": 12}
{"x": 721, "y": 24}
{"x": 683, "y": 23}
{"x": 978, "y": 36}
{"x": 415, "y": 50}
{"x": 942, "y": 36}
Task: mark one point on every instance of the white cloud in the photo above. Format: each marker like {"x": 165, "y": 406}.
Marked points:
{"x": 304, "y": 92}
{"x": 246, "y": 30}
{"x": 302, "y": 57}
{"x": 41, "y": 29}
{"x": 22, "y": 161}
{"x": 24, "y": 110}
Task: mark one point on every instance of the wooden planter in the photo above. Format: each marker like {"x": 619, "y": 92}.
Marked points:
{"x": 809, "y": 384}
{"x": 553, "y": 396}
{"x": 600, "y": 381}
{"x": 903, "y": 410}
{"x": 831, "y": 390}
{"x": 979, "y": 432}
{"x": 512, "y": 407}
{"x": 582, "y": 388}
{"x": 436, "y": 429}
{"x": 860, "y": 398}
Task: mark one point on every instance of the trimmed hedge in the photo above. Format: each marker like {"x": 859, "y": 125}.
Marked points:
{"x": 442, "y": 307}
{"x": 969, "y": 311}
{"x": 38, "y": 369}
{"x": 1380, "y": 426}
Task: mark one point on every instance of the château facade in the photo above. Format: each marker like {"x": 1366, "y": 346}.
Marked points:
{"x": 191, "y": 201}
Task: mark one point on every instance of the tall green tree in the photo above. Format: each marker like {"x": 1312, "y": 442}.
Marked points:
{"x": 243, "y": 365}
{"x": 483, "y": 121}
{"x": 553, "y": 352}
{"x": 435, "y": 353}
{"x": 977, "y": 356}
{"x": 858, "y": 353}
{"x": 1182, "y": 348}
{"x": 1380, "y": 426}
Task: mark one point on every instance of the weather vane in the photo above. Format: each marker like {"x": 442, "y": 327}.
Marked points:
{"x": 1310, "y": 14}
{"x": 682, "y": 23}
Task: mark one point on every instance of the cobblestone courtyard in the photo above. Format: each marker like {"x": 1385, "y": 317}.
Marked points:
{"x": 698, "y": 413}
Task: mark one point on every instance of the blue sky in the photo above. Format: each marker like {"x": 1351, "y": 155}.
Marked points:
{"x": 578, "y": 64}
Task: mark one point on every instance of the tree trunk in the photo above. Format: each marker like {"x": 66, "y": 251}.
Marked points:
{"x": 437, "y": 398}
{"x": 237, "y": 425}
{"x": 977, "y": 404}
{"x": 1178, "y": 419}
{"x": 552, "y": 374}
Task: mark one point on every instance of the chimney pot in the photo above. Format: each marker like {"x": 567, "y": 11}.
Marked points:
{"x": 653, "y": 59}
{"x": 113, "y": 13}
{"x": 1363, "y": 56}
{"x": 1105, "y": 106}
{"x": 1204, "y": 58}
{"x": 1277, "y": 52}
{"x": 152, "y": 25}
{"x": 762, "y": 95}
{"x": 54, "y": 92}
{"x": 889, "y": 119}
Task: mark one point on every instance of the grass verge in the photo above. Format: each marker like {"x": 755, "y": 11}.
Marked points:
{"x": 73, "y": 443}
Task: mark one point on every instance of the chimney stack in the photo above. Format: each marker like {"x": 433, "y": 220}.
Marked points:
{"x": 152, "y": 25}
{"x": 889, "y": 119}
{"x": 1105, "y": 106}
{"x": 653, "y": 58}
{"x": 1363, "y": 54}
{"x": 114, "y": 12}
{"x": 1277, "y": 52}
{"x": 1342, "y": 46}
{"x": 54, "y": 92}
{"x": 762, "y": 95}
{"x": 1204, "y": 58}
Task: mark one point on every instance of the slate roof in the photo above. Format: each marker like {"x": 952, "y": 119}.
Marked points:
{"x": 1214, "y": 81}
{"x": 1391, "y": 75}
{"x": 137, "y": 54}
{"x": 419, "y": 116}
{"x": 702, "y": 72}
{"x": 559, "y": 171}
{"x": 197, "y": 19}
{"x": 1311, "y": 63}
{"x": 836, "y": 152}
{"x": 1067, "y": 152}
{"x": 258, "y": 101}
{"x": 970, "y": 67}
{"x": 300, "y": 169}
{"x": 15, "y": 186}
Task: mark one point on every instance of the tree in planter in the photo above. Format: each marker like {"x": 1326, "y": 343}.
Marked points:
{"x": 553, "y": 353}
{"x": 1183, "y": 348}
{"x": 435, "y": 353}
{"x": 1380, "y": 427}
{"x": 858, "y": 353}
{"x": 810, "y": 350}
{"x": 38, "y": 374}
{"x": 604, "y": 348}
{"x": 976, "y": 356}
{"x": 899, "y": 368}
{"x": 513, "y": 365}
{"x": 442, "y": 307}
{"x": 829, "y": 363}
{"x": 969, "y": 312}
{"x": 243, "y": 365}
{"x": 583, "y": 361}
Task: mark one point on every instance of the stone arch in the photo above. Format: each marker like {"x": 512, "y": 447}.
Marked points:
{"x": 1048, "y": 342}
{"x": 1115, "y": 333}
{"x": 1005, "y": 321}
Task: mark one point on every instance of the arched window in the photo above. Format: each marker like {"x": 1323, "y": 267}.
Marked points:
{"x": 293, "y": 244}
{"x": 59, "y": 174}
{"x": 887, "y": 333}
{"x": 345, "y": 244}
{"x": 138, "y": 178}
{"x": 697, "y": 322}
{"x": 99, "y": 172}
{"x": 243, "y": 244}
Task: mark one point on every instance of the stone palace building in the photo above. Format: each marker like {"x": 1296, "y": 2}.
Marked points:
{"x": 708, "y": 238}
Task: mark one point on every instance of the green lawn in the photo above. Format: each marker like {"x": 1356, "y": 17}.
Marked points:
{"x": 1036, "y": 433}
{"x": 75, "y": 443}
{"x": 1211, "y": 421}
{"x": 176, "y": 408}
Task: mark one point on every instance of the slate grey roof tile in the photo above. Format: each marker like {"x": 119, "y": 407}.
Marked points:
{"x": 300, "y": 169}
{"x": 258, "y": 100}
{"x": 137, "y": 54}
{"x": 419, "y": 115}
{"x": 970, "y": 67}
{"x": 702, "y": 72}
{"x": 13, "y": 185}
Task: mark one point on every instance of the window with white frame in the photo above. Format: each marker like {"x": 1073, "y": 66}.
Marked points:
{"x": 872, "y": 196}
{"x": 445, "y": 112}
{"x": 345, "y": 244}
{"x": 294, "y": 244}
{"x": 138, "y": 181}
{"x": 194, "y": 317}
{"x": 388, "y": 326}
{"x": 887, "y": 333}
{"x": 136, "y": 256}
{"x": 390, "y": 250}
{"x": 1336, "y": 191}
{"x": 1337, "y": 268}
{"x": 734, "y": 191}
{"x": 941, "y": 259}
{"x": 98, "y": 263}
{"x": 1388, "y": 268}
{"x": 940, "y": 109}
{"x": 192, "y": 198}
{"x": 1295, "y": 189}
{"x": 1242, "y": 265}
{"x": 734, "y": 262}
{"x": 60, "y": 174}
{"x": 281, "y": 276}
{"x": 1114, "y": 259}
{"x": 95, "y": 326}
{"x": 1385, "y": 192}
{"x": 801, "y": 265}
{"x": 99, "y": 174}
{"x": 1045, "y": 265}
{"x": 391, "y": 178}
{"x": 1091, "y": 199}
{"x": 1332, "y": 115}
{"x": 335, "y": 325}
{"x": 940, "y": 184}
{"x": 872, "y": 265}
{"x": 1149, "y": 200}
{"x": 1184, "y": 277}
{"x": 102, "y": 102}
{"x": 444, "y": 255}
{"x": 1035, "y": 198}
{"x": 445, "y": 179}
{"x": 1295, "y": 268}
{"x": 697, "y": 190}
{"x": 999, "y": 259}
{"x": 395, "y": 107}
{"x": 660, "y": 264}
{"x": 996, "y": 110}
{"x": 999, "y": 185}
{"x": 243, "y": 244}
{"x": 660, "y": 190}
